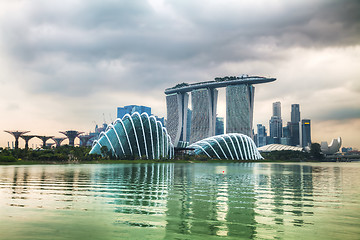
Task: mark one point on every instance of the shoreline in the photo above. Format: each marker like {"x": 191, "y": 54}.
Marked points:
{"x": 22, "y": 162}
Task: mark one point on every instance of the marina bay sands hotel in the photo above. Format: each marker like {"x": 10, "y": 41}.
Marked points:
{"x": 239, "y": 107}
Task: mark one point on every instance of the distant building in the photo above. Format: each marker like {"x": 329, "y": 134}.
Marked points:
{"x": 95, "y": 135}
{"x": 277, "y": 109}
{"x": 286, "y": 137}
{"x": 130, "y": 109}
{"x": 295, "y": 126}
{"x": 346, "y": 149}
{"x": 278, "y": 147}
{"x": 275, "y": 124}
{"x": 219, "y": 127}
{"x": 285, "y": 141}
{"x": 160, "y": 119}
{"x": 294, "y": 133}
{"x": 261, "y": 136}
{"x": 295, "y": 113}
{"x": 332, "y": 148}
{"x": 305, "y": 132}
{"x": 286, "y": 131}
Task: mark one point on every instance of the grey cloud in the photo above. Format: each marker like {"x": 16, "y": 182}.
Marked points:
{"x": 339, "y": 114}
{"x": 158, "y": 49}
{"x": 305, "y": 23}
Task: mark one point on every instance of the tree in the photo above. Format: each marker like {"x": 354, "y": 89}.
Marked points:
{"x": 315, "y": 151}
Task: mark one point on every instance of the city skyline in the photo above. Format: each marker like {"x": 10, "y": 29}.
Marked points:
{"x": 64, "y": 64}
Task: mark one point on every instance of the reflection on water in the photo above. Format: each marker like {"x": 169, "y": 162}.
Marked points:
{"x": 180, "y": 201}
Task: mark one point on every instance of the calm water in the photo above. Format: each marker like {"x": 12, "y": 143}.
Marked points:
{"x": 181, "y": 201}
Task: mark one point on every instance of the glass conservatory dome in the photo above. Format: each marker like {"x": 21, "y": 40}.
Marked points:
{"x": 233, "y": 146}
{"x": 136, "y": 136}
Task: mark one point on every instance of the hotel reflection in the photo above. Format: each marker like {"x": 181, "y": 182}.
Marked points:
{"x": 199, "y": 204}
{"x": 281, "y": 191}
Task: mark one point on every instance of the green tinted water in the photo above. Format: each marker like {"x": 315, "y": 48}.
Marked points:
{"x": 181, "y": 201}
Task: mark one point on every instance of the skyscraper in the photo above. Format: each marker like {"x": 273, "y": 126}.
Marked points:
{"x": 239, "y": 100}
{"x": 285, "y": 140}
{"x": 295, "y": 113}
{"x": 275, "y": 123}
{"x": 305, "y": 132}
{"x": 294, "y": 133}
{"x": 294, "y": 125}
{"x": 261, "y": 136}
{"x": 130, "y": 109}
{"x": 203, "y": 119}
{"x": 177, "y": 106}
{"x": 277, "y": 109}
{"x": 239, "y": 109}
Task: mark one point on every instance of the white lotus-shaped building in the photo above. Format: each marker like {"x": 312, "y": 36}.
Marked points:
{"x": 139, "y": 136}
{"x": 233, "y": 146}
{"x": 333, "y": 148}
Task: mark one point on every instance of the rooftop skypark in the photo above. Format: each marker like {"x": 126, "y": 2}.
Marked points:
{"x": 218, "y": 82}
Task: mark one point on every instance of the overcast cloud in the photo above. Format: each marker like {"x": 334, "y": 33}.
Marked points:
{"x": 70, "y": 61}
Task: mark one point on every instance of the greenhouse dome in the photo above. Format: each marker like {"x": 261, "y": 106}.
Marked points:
{"x": 233, "y": 146}
{"x": 138, "y": 136}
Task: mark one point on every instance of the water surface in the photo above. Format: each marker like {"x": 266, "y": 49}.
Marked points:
{"x": 181, "y": 201}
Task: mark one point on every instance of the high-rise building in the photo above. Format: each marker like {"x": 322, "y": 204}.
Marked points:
{"x": 239, "y": 100}
{"x": 285, "y": 140}
{"x": 286, "y": 131}
{"x": 295, "y": 133}
{"x": 277, "y": 109}
{"x": 295, "y": 113}
{"x": 177, "y": 106}
{"x": 219, "y": 128}
{"x": 261, "y": 136}
{"x": 130, "y": 109}
{"x": 239, "y": 109}
{"x": 294, "y": 125}
{"x": 275, "y": 124}
{"x": 203, "y": 117}
{"x": 305, "y": 132}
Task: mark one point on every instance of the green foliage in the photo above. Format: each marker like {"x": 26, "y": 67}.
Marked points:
{"x": 106, "y": 153}
{"x": 181, "y": 85}
{"x": 4, "y": 158}
{"x": 315, "y": 151}
{"x": 62, "y": 154}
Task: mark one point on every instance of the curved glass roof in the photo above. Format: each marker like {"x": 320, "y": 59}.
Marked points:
{"x": 233, "y": 146}
{"x": 278, "y": 147}
{"x": 136, "y": 136}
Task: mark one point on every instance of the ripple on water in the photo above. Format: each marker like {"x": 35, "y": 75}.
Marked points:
{"x": 172, "y": 201}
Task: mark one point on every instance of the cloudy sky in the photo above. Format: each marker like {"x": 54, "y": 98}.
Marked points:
{"x": 67, "y": 64}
